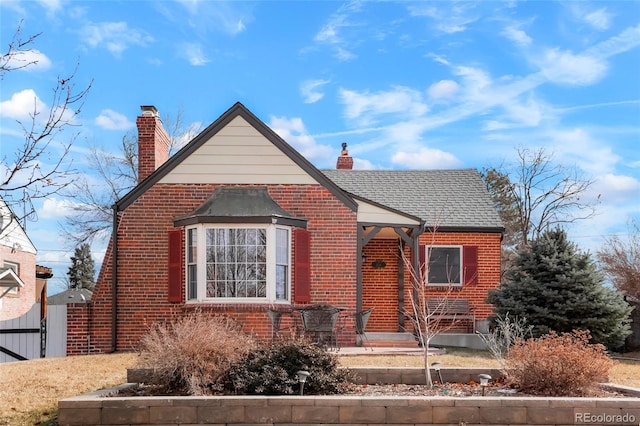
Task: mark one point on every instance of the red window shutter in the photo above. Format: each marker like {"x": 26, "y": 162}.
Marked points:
{"x": 422, "y": 252}
{"x": 302, "y": 266}
{"x": 470, "y": 264}
{"x": 175, "y": 266}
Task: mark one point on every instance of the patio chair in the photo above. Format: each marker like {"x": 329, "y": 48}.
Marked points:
{"x": 321, "y": 321}
{"x": 362, "y": 318}
{"x": 275, "y": 317}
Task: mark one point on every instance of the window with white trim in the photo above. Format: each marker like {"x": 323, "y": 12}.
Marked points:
{"x": 16, "y": 268}
{"x": 238, "y": 263}
{"x": 444, "y": 265}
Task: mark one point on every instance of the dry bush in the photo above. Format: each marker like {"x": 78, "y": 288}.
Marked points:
{"x": 558, "y": 365}
{"x": 194, "y": 352}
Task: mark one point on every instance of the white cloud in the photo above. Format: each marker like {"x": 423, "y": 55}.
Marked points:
{"x": 194, "y": 54}
{"x": 309, "y": 90}
{"x": 294, "y": 132}
{"x": 366, "y": 107}
{"x": 330, "y": 33}
{"x": 29, "y": 60}
{"x": 448, "y": 17}
{"x": 21, "y": 105}
{"x": 220, "y": 16}
{"x": 116, "y": 37}
{"x": 54, "y": 208}
{"x": 563, "y": 67}
{"x": 617, "y": 189}
{"x": 599, "y": 19}
{"x": 52, "y": 6}
{"x": 426, "y": 158}
{"x": 577, "y": 146}
{"x": 112, "y": 120}
{"x": 443, "y": 90}
{"x": 517, "y": 36}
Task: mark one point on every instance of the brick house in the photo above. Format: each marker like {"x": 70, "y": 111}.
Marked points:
{"x": 22, "y": 282}
{"x": 238, "y": 221}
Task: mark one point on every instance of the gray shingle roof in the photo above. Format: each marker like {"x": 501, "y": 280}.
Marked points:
{"x": 73, "y": 295}
{"x": 442, "y": 198}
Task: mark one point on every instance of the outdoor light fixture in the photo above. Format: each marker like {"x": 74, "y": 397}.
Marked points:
{"x": 302, "y": 378}
{"x": 484, "y": 381}
{"x": 436, "y": 366}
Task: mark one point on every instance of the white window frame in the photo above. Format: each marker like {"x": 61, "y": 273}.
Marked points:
{"x": 201, "y": 253}
{"x": 428, "y": 261}
{"x": 16, "y": 268}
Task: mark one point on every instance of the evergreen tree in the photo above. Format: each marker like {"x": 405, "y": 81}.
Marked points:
{"x": 556, "y": 287}
{"x": 82, "y": 270}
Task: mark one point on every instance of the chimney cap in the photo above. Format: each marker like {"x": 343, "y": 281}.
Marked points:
{"x": 149, "y": 110}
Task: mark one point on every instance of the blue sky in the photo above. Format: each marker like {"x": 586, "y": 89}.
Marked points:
{"x": 422, "y": 85}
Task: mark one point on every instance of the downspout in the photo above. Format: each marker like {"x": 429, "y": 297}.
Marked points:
{"x": 114, "y": 280}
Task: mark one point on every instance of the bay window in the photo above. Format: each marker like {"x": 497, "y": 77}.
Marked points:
{"x": 238, "y": 263}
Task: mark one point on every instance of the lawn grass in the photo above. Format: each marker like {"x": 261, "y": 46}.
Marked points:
{"x": 31, "y": 389}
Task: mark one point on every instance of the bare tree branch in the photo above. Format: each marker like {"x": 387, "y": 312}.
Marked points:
{"x": 17, "y": 50}
{"x": 620, "y": 261}
{"x": 536, "y": 194}
{"x": 39, "y": 166}
{"x": 117, "y": 174}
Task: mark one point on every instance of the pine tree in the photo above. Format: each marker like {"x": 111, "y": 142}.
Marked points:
{"x": 82, "y": 270}
{"x": 556, "y": 287}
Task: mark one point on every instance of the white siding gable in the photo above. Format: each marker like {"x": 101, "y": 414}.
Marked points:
{"x": 238, "y": 154}
{"x": 11, "y": 233}
{"x": 370, "y": 213}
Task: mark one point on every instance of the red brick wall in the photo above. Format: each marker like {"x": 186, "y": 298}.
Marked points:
{"x": 142, "y": 263}
{"x": 17, "y": 304}
{"x": 380, "y": 288}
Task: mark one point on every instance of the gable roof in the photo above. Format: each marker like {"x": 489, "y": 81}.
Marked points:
{"x": 236, "y": 110}
{"x": 443, "y": 199}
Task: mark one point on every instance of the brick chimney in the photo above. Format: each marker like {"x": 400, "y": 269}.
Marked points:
{"x": 153, "y": 142}
{"x": 345, "y": 162}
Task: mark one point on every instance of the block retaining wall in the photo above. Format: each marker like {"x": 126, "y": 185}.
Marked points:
{"x": 342, "y": 410}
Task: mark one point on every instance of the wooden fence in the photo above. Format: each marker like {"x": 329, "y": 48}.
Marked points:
{"x": 29, "y": 337}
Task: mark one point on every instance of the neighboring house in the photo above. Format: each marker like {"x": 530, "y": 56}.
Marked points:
{"x": 238, "y": 221}
{"x": 72, "y": 295}
{"x": 22, "y": 282}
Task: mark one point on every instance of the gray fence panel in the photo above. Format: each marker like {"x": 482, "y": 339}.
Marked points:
{"x": 56, "y": 330}
{"x": 26, "y": 344}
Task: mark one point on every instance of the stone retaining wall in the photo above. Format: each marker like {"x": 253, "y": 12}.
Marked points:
{"x": 343, "y": 410}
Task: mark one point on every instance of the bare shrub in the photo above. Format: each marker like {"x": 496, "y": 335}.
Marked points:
{"x": 194, "y": 352}
{"x": 558, "y": 365}
{"x": 505, "y": 333}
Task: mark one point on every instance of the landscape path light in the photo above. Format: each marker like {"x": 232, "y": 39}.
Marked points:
{"x": 484, "y": 381}
{"x": 302, "y": 378}
{"x": 436, "y": 366}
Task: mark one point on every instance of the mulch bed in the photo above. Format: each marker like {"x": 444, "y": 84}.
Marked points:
{"x": 445, "y": 390}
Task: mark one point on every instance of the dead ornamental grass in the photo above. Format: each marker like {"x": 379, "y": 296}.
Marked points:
{"x": 30, "y": 390}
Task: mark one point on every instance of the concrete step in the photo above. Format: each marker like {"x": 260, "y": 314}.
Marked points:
{"x": 393, "y": 344}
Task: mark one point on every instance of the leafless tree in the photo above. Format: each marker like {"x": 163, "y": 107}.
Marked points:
{"x": 619, "y": 259}
{"x": 39, "y": 167}
{"x": 536, "y": 194}
{"x": 116, "y": 173}
{"x": 427, "y": 319}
